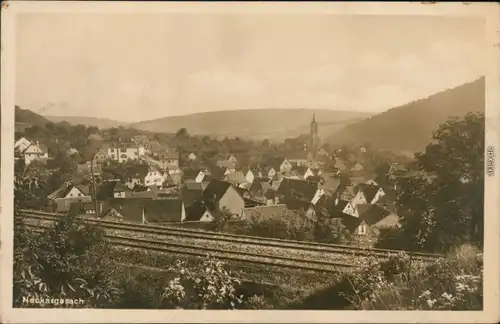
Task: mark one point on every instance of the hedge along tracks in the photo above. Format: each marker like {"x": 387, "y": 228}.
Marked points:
{"x": 226, "y": 255}
{"x": 210, "y": 243}
{"x": 233, "y": 238}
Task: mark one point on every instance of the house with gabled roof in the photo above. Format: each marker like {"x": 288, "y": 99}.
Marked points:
{"x": 154, "y": 177}
{"x": 120, "y": 190}
{"x": 106, "y": 189}
{"x": 122, "y": 152}
{"x": 236, "y": 178}
{"x": 198, "y": 212}
{"x": 340, "y": 165}
{"x": 35, "y": 151}
{"x": 226, "y": 164}
{"x": 369, "y": 194}
{"x": 144, "y": 210}
{"x": 368, "y": 219}
{"x": 259, "y": 187}
{"x": 172, "y": 180}
{"x": 249, "y": 176}
{"x": 232, "y": 158}
{"x": 221, "y": 194}
{"x": 73, "y": 151}
{"x": 229, "y": 171}
{"x": 259, "y": 214}
{"x": 299, "y": 195}
{"x": 62, "y": 198}
{"x": 286, "y": 166}
{"x": 269, "y": 172}
{"x": 298, "y": 161}
{"x": 357, "y": 167}
{"x": 22, "y": 144}
{"x": 87, "y": 168}
{"x": 345, "y": 192}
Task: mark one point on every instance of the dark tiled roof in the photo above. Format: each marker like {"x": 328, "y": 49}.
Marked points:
{"x": 350, "y": 222}
{"x": 119, "y": 187}
{"x": 106, "y": 190}
{"x": 191, "y": 196}
{"x": 191, "y": 174}
{"x": 129, "y": 209}
{"x": 159, "y": 211}
{"x": 254, "y": 201}
{"x": 372, "y": 214}
{"x": 326, "y": 203}
{"x": 368, "y": 190}
{"x": 192, "y": 185}
{"x": 195, "y": 211}
{"x": 235, "y": 178}
{"x": 345, "y": 192}
{"x": 331, "y": 182}
{"x": 216, "y": 189}
{"x": 260, "y": 213}
{"x": 139, "y": 188}
{"x": 298, "y": 188}
{"x": 226, "y": 164}
{"x": 315, "y": 179}
{"x": 65, "y": 189}
{"x": 270, "y": 193}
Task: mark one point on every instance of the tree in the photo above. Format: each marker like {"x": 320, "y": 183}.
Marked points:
{"x": 221, "y": 218}
{"x": 208, "y": 286}
{"x": 63, "y": 262}
{"x": 328, "y": 229}
{"x": 443, "y": 207}
{"x": 182, "y": 133}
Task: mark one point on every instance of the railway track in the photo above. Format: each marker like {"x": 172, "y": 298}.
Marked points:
{"x": 223, "y": 254}
{"x": 165, "y": 231}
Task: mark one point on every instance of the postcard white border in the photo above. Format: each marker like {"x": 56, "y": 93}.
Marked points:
{"x": 491, "y": 313}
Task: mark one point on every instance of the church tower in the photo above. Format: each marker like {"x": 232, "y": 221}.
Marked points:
{"x": 314, "y": 137}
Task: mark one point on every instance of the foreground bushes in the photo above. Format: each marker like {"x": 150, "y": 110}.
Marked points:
{"x": 67, "y": 262}
{"x": 452, "y": 283}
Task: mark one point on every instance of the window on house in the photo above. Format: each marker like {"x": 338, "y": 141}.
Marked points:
{"x": 362, "y": 229}
{"x": 123, "y": 150}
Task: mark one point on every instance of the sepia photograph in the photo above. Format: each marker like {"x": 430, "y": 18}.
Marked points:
{"x": 279, "y": 157}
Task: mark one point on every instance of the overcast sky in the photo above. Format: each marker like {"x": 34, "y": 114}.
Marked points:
{"x": 132, "y": 67}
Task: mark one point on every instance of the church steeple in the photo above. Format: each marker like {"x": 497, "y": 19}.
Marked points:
{"x": 314, "y": 137}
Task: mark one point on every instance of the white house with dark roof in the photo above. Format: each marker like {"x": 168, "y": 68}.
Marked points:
{"x": 35, "y": 151}
{"x": 154, "y": 177}
{"x": 122, "y": 153}
{"x": 22, "y": 144}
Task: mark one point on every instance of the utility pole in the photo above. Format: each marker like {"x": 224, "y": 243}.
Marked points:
{"x": 94, "y": 193}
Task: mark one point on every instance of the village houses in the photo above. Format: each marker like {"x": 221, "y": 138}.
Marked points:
{"x": 35, "y": 151}
{"x": 220, "y": 195}
{"x": 68, "y": 194}
{"x": 22, "y": 144}
{"x": 123, "y": 153}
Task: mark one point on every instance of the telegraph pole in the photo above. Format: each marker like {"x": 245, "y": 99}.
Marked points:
{"x": 94, "y": 193}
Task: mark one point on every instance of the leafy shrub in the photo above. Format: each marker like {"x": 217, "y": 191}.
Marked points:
{"x": 210, "y": 286}
{"x": 66, "y": 261}
{"x": 257, "y": 302}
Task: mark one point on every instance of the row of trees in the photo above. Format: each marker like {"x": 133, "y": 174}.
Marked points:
{"x": 444, "y": 207}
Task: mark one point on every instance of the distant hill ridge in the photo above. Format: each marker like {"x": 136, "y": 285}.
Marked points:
{"x": 29, "y": 117}
{"x": 409, "y": 128}
{"x": 101, "y": 123}
{"x": 257, "y": 124}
